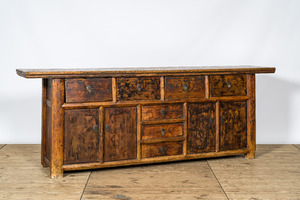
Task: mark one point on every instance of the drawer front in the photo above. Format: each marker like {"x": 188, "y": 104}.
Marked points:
{"x": 88, "y": 90}
{"x": 184, "y": 87}
{"x": 162, "y": 149}
{"x": 162, "y": 131}
{"x": 167, "y": 111}
{"x": 228, "y": 85}
{"x": 142, "y": 88}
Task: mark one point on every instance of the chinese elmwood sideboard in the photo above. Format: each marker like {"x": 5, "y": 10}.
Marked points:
{"x": 99, "y": 118}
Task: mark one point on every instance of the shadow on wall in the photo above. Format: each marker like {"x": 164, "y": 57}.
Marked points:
{"x": 273, "y": 109}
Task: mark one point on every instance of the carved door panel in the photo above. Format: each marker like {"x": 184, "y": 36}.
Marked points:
{"x": 120, "y": 127}
{"x": 233, "y": 125}
{"x": 81, "y": 139}
{"x": 201, "y": 127}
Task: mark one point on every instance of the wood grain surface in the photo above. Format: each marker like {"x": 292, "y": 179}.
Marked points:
{"x": 120, "y": 133}
{"x": 162, "y": 130}
{"x": 81, "y": 139}
{"x": 151, "y": 71}
{"x": 142, "y": 88}
{"x": 88, "y": 90}
{"x": 201, "y": 127}
{"x": 228, "y": 85}
{"x": 165, "y": 111}
{"x": 184, "y": 87}
{"x": 233, "y": 125}
{"x": 162, "y": 149}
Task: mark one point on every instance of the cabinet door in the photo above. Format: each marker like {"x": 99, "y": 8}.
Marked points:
{"x": 233, "y": 125}
{"x": 201, "y": 127}
{"x": 81, "y": 140}
{"x": 120, "y": 133}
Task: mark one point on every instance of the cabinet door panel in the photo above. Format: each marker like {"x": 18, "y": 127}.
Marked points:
{"x": 81, "y": 136}
{"x": 201, "y": 127}
{"x": 233, "y": 125}
{"x": 120, "y": 133}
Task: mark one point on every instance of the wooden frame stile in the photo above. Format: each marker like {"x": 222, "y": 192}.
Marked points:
{"x": 114, "y": 89}
{"x": 101, "y": 132}
{"x": 185, "y": 127}
{"x": 44, "y": 123}
{"x": 162, "y": 88}
{"x": 217, "y": 126}
{"x": 251, "y": 124}
{"x": 57, "y": 131}
{"x": 139, "y": 132}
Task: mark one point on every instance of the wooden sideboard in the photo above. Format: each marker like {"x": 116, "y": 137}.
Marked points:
{"x": 98, "y": 118}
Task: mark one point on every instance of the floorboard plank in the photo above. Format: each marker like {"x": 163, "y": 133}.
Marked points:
{"x": 273, "y": 174}
{"x": 1, "y": 146}
{"x": 181, "y": 180}
{"x": 297, "y": 145}
{"x": 23, "y": 177}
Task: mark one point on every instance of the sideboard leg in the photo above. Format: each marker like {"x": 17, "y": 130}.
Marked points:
{"x": 56, "y": 162}
{"x": 44, "y": 123}
{"x": 251, "y": 127}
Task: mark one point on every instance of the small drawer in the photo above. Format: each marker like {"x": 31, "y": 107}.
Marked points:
{"x": 142, "y": 88}
{"x": 167, "y": 111}
{"x": 162, "y": 149}
{"x": 88, "y": 90}
{"x": 184, "y": 87}
{"x": 162, "y": 131}
{"x": 228, "y": 85}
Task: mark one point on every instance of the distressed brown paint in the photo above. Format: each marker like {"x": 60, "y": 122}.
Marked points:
{"x": 81, "y": 139}
{"x": 201, "y": 127}
{"x": 120, "y": 133}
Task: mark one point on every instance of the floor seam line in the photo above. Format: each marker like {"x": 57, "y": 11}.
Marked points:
{"x": 296, "y": 147}
{"x": 3, "y": 146}
{"x": 87, "y": 181}
{"x": 216, "y": 179}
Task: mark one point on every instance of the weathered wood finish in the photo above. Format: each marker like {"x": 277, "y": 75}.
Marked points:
{"x": 143, "y": 88}
{"x": 162, "y": 149}
{"x": 162, "y": 130}
{"x": 81, "y": 141}
{"x": 120, "y": 129}
{"x": 116, "y": 117}
{"x": 184, "y": 87}
{"x": 233, "y": 125}
{"x": 88, "y": 90}
{"x": 201, "y": 127}
{"x": 166, "y": 111}
{"x": 228, "y": 85}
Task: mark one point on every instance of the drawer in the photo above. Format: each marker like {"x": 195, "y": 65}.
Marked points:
{"x": 184, "y": 87}
{"x": 142, "y": 88}
{"x": 167, "y": 111}
{"x": 162, "y": 149}
{"x": 228, "y": 85}
{"x": 162, "y": 131}
{"x": 88, "y": 90}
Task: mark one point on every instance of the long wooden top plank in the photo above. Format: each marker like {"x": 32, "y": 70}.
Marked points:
{"x": 149, "y": 71}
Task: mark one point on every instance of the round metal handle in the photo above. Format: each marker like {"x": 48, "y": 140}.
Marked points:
{"x": 95, "y": 128}
{"x": 222, "y": 120}
{"x": 89, "y": 88}
{"x": 163, "y": 113}
{"x": 162, "y": 150}
{"x": 139, "y": 87}
{"x": 185, "y": 87}
{"x": 211, "y": 120}
{"x": 163, "y": 132}
{"x": 228, "y": 84}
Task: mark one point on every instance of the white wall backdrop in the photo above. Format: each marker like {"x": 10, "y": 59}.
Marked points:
{"x": 122, "y": 33}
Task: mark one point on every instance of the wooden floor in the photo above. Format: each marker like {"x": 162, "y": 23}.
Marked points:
{"x": 274, "y": 174}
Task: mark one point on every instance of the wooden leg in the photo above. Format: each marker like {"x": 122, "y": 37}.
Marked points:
{"x": 56, "y": 162}
{"x": 44, "y": 123}
{"x": 251, "y": 127}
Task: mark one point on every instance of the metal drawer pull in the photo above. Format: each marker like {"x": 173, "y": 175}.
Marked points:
{"x": 185, "y": 87}
{"x": 107, "y": 128}
{"x": 89, "y": 88}
{"x": 211, "y": 120}
{"x": 162, "y": 150}
{"x": 139, "y": 87}
{"x": 228, "y": 84}
{"x": 163, "y": 113}
{"x": 163, "y": 132}
{"x": 95, "y": 128}
{"x": 222, "y": 120}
